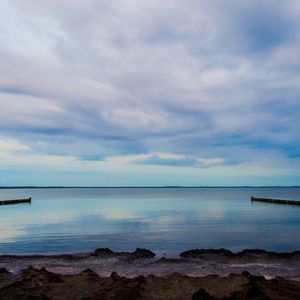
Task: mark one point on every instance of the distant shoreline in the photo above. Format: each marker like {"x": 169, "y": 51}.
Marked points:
{"x": 144, "y": 187}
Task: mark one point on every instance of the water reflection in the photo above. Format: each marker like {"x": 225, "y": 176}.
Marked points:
{"x": 165, "y": 220}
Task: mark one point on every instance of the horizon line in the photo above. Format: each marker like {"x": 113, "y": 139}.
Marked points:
{"x": 136, "y": 187}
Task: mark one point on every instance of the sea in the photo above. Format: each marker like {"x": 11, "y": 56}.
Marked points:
{"x": 166, "y": 220}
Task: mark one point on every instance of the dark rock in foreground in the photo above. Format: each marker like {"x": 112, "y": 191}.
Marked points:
{"x": 198, "y": 262}
{"x": 249, "y": 254}
{"x": 34, "y": 283}
{"x": 138, "y": 253}
{"x": 102, "y": 252}
{"x": 3, "y": 271}
{"x": 199, "y": 253}
{"x": 143, "y": 253}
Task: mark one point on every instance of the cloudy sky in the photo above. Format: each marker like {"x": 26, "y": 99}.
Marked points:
{"x": 148, "y": 92}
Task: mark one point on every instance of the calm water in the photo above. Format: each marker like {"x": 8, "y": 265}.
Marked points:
{"x": 166, "y": 220}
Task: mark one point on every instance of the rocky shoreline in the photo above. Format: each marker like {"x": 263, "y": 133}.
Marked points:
{"x": 196, "y": 274}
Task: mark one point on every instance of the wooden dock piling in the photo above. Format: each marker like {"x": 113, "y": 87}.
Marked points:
{"x": 16, "y": 201}
{"x": 275, "y": 201}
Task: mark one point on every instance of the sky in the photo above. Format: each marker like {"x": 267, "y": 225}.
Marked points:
{"x": 149, "y": 93}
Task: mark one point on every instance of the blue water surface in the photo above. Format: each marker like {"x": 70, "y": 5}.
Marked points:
{"x": 165, "y": 220}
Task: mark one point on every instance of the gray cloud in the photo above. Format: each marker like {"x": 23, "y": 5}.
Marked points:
{"x": 95, "y": 78}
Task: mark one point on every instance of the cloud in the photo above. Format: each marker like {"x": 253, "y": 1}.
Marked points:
{"x": 160, "y": 158}
{"x": 7, "y": 144}
{"x": 209, "y": 161}
{"x": 127, "y": 81}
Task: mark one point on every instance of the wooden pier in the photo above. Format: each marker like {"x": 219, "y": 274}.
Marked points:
{"x": 276, "y": 201}
{"x": 16, "y": 201}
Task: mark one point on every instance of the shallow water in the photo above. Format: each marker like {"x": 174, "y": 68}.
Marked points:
{"x": 165, "y": 220}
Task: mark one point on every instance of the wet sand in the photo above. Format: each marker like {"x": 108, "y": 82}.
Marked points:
{"x": 195, "y": 274}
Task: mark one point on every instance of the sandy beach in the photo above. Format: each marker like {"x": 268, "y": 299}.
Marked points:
{"x": 195, "y": 274}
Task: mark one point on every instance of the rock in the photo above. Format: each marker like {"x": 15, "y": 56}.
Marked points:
{"x": 3, "y": 271}
{"x": 143, "y": 253}
{"x": 104, "y": 252}
{"x": 90, "y": 274}
{"x": 246, "y": 274}
{"x": 39, "y": 284}
{"x": 252, "y": 292}
{"x": 115, "y": 276}
{"x": 203, "y": 295}
{"x": 42, "y": 275}
{"x": 199, "y": 253}
{"x": 140, "y": 279}
{"x": 138, "y": 253}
